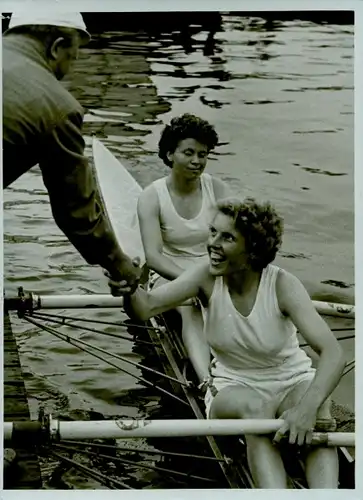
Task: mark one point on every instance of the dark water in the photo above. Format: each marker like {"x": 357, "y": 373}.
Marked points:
{"x": 281, "y": 97}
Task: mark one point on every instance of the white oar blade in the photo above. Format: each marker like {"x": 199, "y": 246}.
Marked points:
{"x": 119, "y": 192}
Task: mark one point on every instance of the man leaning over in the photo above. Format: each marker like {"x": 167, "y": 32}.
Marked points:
{"x": 42, "y": 124}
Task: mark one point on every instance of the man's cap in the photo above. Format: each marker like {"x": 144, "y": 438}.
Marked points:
{"x": 72, "y": 20}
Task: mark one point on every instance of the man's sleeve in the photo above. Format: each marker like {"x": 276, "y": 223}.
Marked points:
{"x": 73, "y": 193}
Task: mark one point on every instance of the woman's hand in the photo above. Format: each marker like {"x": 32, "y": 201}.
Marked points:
{"x": 299, "y": 423}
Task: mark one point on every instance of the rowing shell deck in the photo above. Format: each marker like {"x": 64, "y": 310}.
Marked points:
{"x": 25, "y": 473}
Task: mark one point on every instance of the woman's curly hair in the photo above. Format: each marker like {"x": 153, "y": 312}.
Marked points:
{"x": 183, "y": 127}
{"x": 259, "y": 224}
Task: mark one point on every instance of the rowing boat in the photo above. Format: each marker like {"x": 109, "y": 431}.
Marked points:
{"x": 225, "y": 452}
{"x": 164, "y": 331}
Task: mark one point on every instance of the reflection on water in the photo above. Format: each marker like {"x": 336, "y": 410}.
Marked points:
{"x": 280, "y": 93}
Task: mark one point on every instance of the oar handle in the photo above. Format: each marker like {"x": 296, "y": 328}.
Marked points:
{"x": 33, "y": 432}
{"x": 29, "y": 301}
{"x": 333, "y": 309}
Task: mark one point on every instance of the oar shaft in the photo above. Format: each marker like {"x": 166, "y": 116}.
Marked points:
{"x": 94, "y": 301}
{"x": 124, "y": 429}
{"x": 97, "y": 301}
{"x": 333, "y": 309}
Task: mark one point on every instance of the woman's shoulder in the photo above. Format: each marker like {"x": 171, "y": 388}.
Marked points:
{"x": 149, "y": 198}
{"x": 153, "y": 188}
{"x": 220, "y": 188}
{"x": 205, "y": 279}
{"x": 283, "y": 276}
{"x": 289, "y": 288}
{"x": 156, "y": 183}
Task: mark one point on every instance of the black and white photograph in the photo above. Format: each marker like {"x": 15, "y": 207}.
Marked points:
{"x": 178, "y": 249}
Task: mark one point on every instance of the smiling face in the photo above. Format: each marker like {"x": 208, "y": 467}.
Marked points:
{"x": 189, "y": 158}
{"x": 226, "y": 247}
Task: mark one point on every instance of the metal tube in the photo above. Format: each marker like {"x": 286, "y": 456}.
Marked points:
{"x": 108, "y": 301}
{"x": 333, "y": 309}
{"x": 79, "y": 301}
{"x": 121, "y": 429}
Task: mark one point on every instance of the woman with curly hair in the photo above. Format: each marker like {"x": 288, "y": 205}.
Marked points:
{"x": 254, "y": 310}
{"x": 174, "y": 215}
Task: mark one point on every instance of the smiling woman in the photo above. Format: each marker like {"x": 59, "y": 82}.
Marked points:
{"x": 262, "y": 229}
{"x": 254, "y": 311}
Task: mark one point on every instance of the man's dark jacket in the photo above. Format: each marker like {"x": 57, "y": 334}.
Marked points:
{"x": 42, "y": 125}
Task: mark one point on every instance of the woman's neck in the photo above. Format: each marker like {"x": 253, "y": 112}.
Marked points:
{"x": 181, "y": 185}
{"x": 243, "y": 281}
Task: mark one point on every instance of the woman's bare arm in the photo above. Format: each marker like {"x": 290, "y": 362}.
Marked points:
{"x": 144, "y": 305}
{"x": 295, "y": 302}
{"x": 148, "y": 214}
{"x": 220, "y": 188}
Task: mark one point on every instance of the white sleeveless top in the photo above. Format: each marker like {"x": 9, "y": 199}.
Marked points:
{"x": 185, "y": 240}
{"x": 265, "y": 342}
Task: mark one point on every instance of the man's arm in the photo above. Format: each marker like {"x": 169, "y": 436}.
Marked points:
{"x": 74, "y": 199}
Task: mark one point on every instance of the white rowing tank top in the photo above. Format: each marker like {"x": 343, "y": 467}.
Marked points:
{"x": 265, "y": 339}
{"x": 184, "y": 240}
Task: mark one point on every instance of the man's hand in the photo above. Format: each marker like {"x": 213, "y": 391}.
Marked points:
{"x": 127, "y": 277}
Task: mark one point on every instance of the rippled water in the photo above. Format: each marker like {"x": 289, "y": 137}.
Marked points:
{"x": 281, "y": 98}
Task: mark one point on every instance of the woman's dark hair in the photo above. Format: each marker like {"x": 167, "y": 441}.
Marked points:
{"x": 259, "y": 224}
{"x": 183, "y": 127}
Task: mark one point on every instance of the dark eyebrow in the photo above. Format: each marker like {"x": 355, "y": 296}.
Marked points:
{"x": 192, "y": 150}
{"x": 226, "y": 234}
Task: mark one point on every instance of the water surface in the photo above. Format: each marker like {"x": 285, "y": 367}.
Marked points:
{"x": 281, "y": 99}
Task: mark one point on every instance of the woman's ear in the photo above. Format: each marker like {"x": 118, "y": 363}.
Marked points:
{"x": 169, "y": 156}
